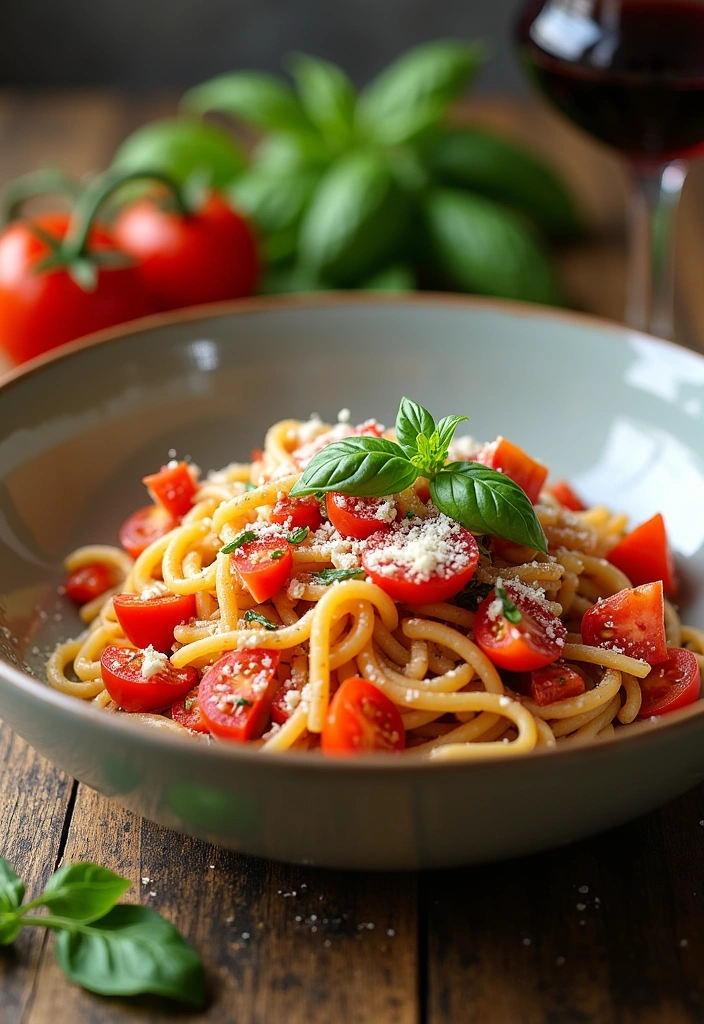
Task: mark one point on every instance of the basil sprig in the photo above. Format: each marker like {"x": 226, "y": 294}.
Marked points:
{"x": 328, "y": 576}
{"x": 245, "y": 537}
{"x": 481, "y": 499}
{"x": 251, "y": 616}
{"x": 115, "y": 950}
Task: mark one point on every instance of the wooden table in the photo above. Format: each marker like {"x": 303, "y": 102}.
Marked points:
{"x": 609, "y": 930}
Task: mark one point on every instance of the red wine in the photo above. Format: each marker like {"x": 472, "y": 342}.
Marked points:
{"x": 629, "y": 73}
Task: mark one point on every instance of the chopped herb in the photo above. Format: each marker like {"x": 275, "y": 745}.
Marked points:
{"x": 483, "y": 549}
{"x": 473, "y": 595}
{"x": 328, "y": 576}
{"x": 252, "y": 616}
{"x": 510, "y": 611}
{"x": 190, "y": 703}
{"x": 410, "y": 514}
{"x": 242, "y": 702}
{"x": 250, "y": 486}
{"x": 276, "y": 555}
{"x": 242, "y": 538}
{"x": 299, "y": 535}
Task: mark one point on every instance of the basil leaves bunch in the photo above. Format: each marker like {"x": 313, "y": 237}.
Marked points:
{"x": 481, "y": 499}
{"x": 110, "y": 948}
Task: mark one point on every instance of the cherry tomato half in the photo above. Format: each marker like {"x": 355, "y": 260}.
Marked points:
{"x": 303, "y": 454}
{"x": 535, "y": 640}
{"x": 361, "y": 719}
{"x": 282, "y": 705}
{"x": 644, "y": 555}
{"x": 152, "y": 620}
{"x": 264, "y": 566}
{"x": 359, "y": 518}
{"x": 420, "y": 561}
{"x": 235, "y": 694}
{"x": 566, "y": 496}
{"x": 301, "y": 512}
{"x": 89, "y": 581}
{"x": 121, "y": 669}
{"x": 673, "y": 684}
{"x": 631, "y": 622}
{"x": 511, "y": 460}
{"x": 173, "y": 487}
{"x": 188, "y": 714}
{"x": 554, "y": 682}
{"x": 143, "y": 527}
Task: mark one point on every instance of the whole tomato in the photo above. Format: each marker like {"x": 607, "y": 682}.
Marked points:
{"x": 186, "y": 259}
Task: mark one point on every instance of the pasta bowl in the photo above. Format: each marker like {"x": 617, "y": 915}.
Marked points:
{"x": 618, "y": 413}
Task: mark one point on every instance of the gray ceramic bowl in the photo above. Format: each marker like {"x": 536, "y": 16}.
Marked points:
{"x": 620, "y": 414}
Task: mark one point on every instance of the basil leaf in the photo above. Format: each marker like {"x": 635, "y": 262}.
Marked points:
{"x": 276, "y": 555}
{"x": 253, "y": 97}
{"x": 132, "y": 950}
{"x": 83, "y": 892}
{"x": 328, "y": 576}
{"x": 279, "y": 153}
{"x": 326, "y": 95}
{"x": 417, "y": 89}
{"x": 10, "y": 927}
{"x": 242, "y": 702}
{"x": 473, "y": 595}
{"x": 486, "y": 501}
{"x": 446, "y": 429}
{"x": 245, "y": 537}
{"x": 299, "y": 535}
{"x": 249, "y": 487}
{"x": 252, "y": 616}
{"x": 412, "y": 421}
{"x": 11, "y": 888}
{"x": 509, "y": 609}
{"x": 276, "y": 201}
{"x": 482, "y": 247}
{"x": 361, "y": 466}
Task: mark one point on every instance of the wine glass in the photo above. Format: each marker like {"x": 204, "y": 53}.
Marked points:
{"x": 631, "y": 73}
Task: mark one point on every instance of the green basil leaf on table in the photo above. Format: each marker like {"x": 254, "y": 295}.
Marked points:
{"x": 181, "y": 147}
{"x": 355, "y": 221}
{"x": 412, "y": 421}
{"x": 486, "y": 501}
{"x": 417, "y": 89}
{"x": 484, "y": 247}
{"x": 257, "y": 99}
{"x": 326, "y": 94}
{"x": 362, "y": 466}
{"x": 11, "y": 888}
{"x": 446, "y": 429}
{"x": 276, "y": 202}
{"x": 395, "y": 278}
{"x": 83, "y": 892}
{"x": 132, "y": 950}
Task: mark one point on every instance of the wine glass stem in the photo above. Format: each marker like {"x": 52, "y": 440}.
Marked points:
{"x": 650, "y": 296}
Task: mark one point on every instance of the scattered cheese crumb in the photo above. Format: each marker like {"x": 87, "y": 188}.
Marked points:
{"x": 153, "y": 662}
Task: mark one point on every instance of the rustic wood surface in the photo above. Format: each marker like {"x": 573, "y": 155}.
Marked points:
{"x": 609, "y": 930}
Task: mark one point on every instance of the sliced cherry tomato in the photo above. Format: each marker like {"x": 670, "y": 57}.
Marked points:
{"x": 359, "y": 518}
{"x": 631, "y": 622}
{"x": 305, "y": 452}
{"x": 554, "y": 682}
{"x": 508, "y": 458}
{"x": 188, "y": 714}
{"x": 671, "y": 685}
{"x": 173, "y": 487}
{"x": 143, "y": 527}
{"x": 644, "y": 555}
{"x": 235, "y": 693}
{"x": 361, "y": 719}
{"x": 152, "y": 620}
{"x": 566, "y": 496}
{"x": 89, "y": 581}
{"x": 264, "y": 566}
{"x": 536, "y": 639}
{"x": 282, "y": 705}
{"x": 122, "y": 672}
{"x": 301, "y": 512}
{"x": 420, "y": 561}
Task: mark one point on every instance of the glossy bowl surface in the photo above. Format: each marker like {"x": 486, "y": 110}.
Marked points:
{"x": 620, "y": 414}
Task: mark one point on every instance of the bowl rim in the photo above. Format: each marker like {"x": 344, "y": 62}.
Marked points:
{"x": 122, "y": 725}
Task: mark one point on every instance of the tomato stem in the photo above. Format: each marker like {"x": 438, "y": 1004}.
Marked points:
{"x": 45, "y": 181}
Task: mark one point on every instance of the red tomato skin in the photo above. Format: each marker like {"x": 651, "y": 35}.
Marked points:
{"x": 507, "y": 457}
{"x": 89, "y": 581}
{"x": 173, "y": 487}
{"x": 303, "y": 454}
{"x": 355, "y": 518}
{"x": 152, "y": 621}
{"x": 121, "y": 669}
{"x": 301, "y": 512}
{"x": 554, "y": 682}
{"x": 631, "y": 622}
{"x": 261, "y": 574}
{"x": 143, "y": 527}
{"x": 246, "y": 675}
{"x": 672, "y": 685}
{"x": 566, "y": 496}
{"x": 208, "y": 256}
{"x": 404, "y": 589}
{"x": 189, "y": 717}
{"x": 644, "y": 555}
{"x": 40, "y": 310}
{"x": 280, "y": 711}
{"x": 536, "y": 641}
{"x": 361, "y": 719}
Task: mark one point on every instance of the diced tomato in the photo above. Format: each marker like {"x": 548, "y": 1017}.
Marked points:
{"x": 631, "y": 622}
{"x": 153, "y": 620}
{"x": 173, "y": 487}
{"x": 145, "y": 526}
{"x": 671, "y": 685}
{"x": 301, "y": 511}
{"x": 359, "y": 518}
{"x": 361, "y": 719}
{"x": 264, "y": 566}
{"x": 644, "y": 555}
{"x": 235, "y": 694}
{"x": 420, "y": 561}
{"x": 121, "y": 669}
{"x": 303, "y": 455}
{"x": 566, "y": 496}
{"x": 188, "y": 714}
{"x": 281, "y": 709}
{"x": 508, "y": 458}
{"x": 554, "y": 682}
{"x": 534, "y": 640}
{"x": 89, "y": 581}
{"x": 422, "y": 486}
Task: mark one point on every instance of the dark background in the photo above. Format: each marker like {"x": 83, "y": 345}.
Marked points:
{"x": 141, "y": 44}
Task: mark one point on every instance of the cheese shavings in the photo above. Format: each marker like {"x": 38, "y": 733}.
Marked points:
{"x": 421, "y": 549}
{"x": 153, "y": 662}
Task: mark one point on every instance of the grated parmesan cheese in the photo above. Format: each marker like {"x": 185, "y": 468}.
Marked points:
{"x": 153, "y": 662}
{"x": 420, "y": 549}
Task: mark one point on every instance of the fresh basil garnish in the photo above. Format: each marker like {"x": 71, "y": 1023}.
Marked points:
{"x": 242, "y": 702}
{"x": 83, "y": 892}
{"x": 245, "y": 537}
{"x": 473, "y": 595}
{"x": 249, "y": 486}
{"x": 299, "y": 535}
{"x": 361, "y": 466}
{"x": 252, "y": 616}
{"x": 509, "y": 609}
{"x": 412, "y": 421}
{"x": 328, "y": 576}
{"x": 276, "y": 555}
